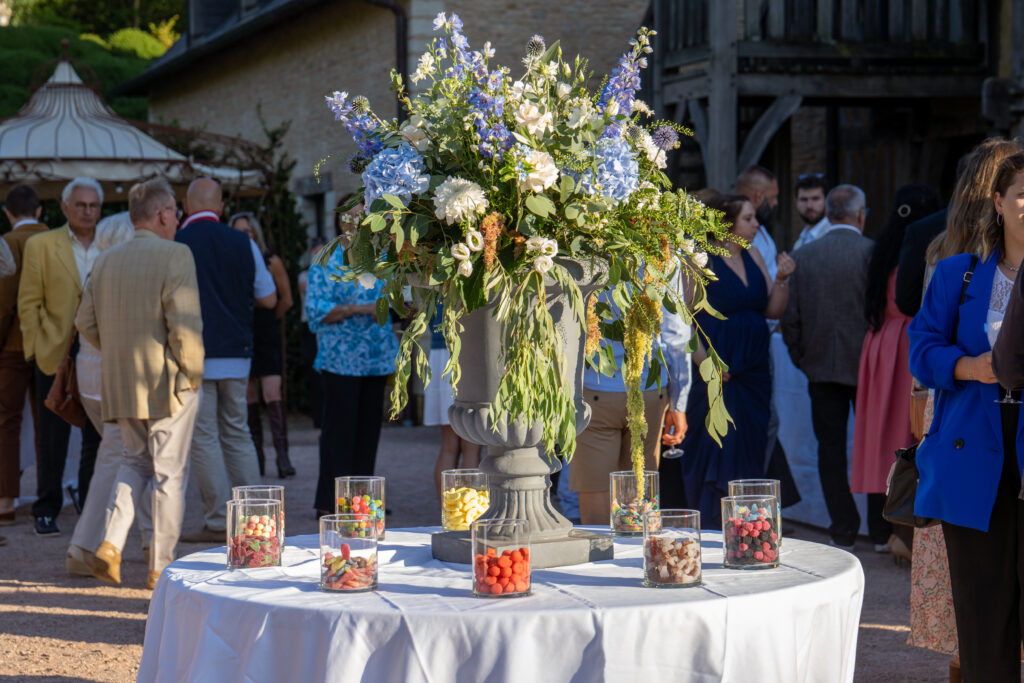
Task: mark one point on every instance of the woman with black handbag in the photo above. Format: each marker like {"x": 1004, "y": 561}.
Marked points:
{"x": 970, "y": 468}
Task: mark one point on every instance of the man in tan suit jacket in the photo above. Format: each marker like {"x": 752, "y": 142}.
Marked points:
{"x": 53, "y": 271}
{"x": 141, "y": 310}
{"x": 16, "y": 374}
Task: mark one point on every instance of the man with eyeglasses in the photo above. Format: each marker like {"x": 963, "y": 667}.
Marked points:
{"x": 55, "y": 266}
{"x": 811, "y": 189}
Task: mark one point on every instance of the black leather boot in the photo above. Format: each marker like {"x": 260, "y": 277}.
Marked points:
{"x": 256, "y": 431}
{"x": 279, "y": 430}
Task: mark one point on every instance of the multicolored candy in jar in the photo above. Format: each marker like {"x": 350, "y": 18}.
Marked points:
{"x": 750, "y": 532}
{"x": 362, "y": 496}
{"x": 629, "y": 504}
{"x": 347, "y": 571}
{"x": 254, "y": 539}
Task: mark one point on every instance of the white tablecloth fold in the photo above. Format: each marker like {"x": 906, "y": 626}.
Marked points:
{"x": 593, "y": 622}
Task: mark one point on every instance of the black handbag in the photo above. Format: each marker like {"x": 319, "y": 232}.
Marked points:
{"x": 901, "y": 487}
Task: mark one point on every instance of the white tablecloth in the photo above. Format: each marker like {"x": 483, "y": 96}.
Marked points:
{"x": 593, "y": 622}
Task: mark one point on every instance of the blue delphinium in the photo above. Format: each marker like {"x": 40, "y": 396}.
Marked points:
{"x": 397, "y": 170}
{"x": 359, "y": 123}
{"x": 617, "y": 170}
{"x": 495, "y": 141}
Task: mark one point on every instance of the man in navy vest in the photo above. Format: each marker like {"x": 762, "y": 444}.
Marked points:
{"x": 231, "y": 274}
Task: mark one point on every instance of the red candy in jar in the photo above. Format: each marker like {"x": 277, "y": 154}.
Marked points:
{"x": 501, "y": 575}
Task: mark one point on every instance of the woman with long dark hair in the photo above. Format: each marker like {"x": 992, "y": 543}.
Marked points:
{"x": 882, "y": 413}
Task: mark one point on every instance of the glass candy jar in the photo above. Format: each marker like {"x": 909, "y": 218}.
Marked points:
{"x": 348, "y": 554}
{"x": 465, "y": 497}
{"x": 750, "y": 532}
{"x": 672, "y": 548}
{"x": 267, "y": 492}
{"x": 254, "y": 533}
{"x": 761, "y": 487}
{"x": 628, "y": 505}
{"x": 501, "y": 558}
{"x": 362, "y": 496}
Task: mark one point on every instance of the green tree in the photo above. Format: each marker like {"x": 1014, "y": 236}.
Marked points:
{"x": 101, "y": 17}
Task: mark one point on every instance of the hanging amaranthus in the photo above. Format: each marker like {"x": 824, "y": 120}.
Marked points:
{"x": 593, "y": 326}
{"x": 641, "y": 325}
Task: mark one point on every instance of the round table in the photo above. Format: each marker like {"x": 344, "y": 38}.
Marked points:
{"x": 591, "y": 622}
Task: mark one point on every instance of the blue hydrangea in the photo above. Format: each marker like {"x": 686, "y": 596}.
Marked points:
{"x": 617, "y": 170}
{"x": 397, "y": 170}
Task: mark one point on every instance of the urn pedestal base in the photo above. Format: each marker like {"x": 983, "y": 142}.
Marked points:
{"x": 577, "y": 547}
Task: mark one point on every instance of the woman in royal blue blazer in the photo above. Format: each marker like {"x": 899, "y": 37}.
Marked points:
{"x": 970, "y": 462}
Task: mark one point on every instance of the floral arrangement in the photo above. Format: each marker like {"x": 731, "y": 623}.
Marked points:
{"x": 491, "y": 182}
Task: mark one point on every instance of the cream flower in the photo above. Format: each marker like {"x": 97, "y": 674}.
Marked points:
{"x": 542, "y": 264}
{"x": 475, "y": 240}
{"x": 417, "y": 137}
{"x": 549, "y": 248}
{"x": 488, "y": 50}
{"x": 578, "y": 113}
{"x": 700, "y": 258}
{"x": 367, "y": 280}
{"x": 563, "y": 90}
{"x": 688, "y": 246}
{"x": 461, "y": 251}
{"x": 465, "y": 268}
{"x": 535, "y": 243}
{"x": 612, "y": 109}
{"x": 457, "y": 200}
{"x": 543, "y": 175}
{"x": 655, "y": 154}
{"x": 640, "y": 106}
{"x": 530, "y": 116}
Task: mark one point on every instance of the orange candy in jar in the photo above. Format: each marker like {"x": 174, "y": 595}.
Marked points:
{"x": 501, "y": 558}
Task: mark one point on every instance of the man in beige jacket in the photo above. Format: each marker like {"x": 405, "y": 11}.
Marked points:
{"x": 141, "y": 309}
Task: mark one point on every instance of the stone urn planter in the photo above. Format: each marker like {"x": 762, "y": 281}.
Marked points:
{"x": 518, "y": 470}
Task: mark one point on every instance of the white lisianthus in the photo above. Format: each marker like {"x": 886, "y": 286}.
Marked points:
{"x": 578, "y": 113}
{"x": 640, "y": 106}
{"x": 417, "y": 137}
{"x": 465, "y": 268}
{"x": 543, "y": 175}
{"x": 458, "y": 199}
{"x": 542, "y": 264}
{"x": 700, "y": 258}
{"x": 612, "y": 109}
{"x": 549, "y": 70}
{"x": 563, "y": 90}
{"x": 530, "y": 116}
{"x": 535, "y": 243}
{"x": 461, "y": 251}
{"x": 475, "y": 240}
{"x": 367, "y": 280}
{"x": 519, "y": 89}
{"x": 549, "y": 248}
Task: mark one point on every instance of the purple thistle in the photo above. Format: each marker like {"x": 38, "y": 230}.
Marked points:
{"x": 665, "y": 138}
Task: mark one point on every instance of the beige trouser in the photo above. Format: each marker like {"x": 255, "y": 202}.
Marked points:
{"x": 223, "y": 454}
{"x": 156, "y": 449}
{"x": 90, "y": 527}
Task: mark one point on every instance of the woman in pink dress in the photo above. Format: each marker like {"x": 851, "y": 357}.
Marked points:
{"x": 882, "y": 414}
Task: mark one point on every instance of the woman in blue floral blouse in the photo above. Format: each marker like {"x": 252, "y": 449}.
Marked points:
{"x": 355, "y": 355}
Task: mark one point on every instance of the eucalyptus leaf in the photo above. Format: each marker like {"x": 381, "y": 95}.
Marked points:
{"x": 393, "y": 200}
{"x": 382, "y": 311}
{"x": 540, "y": 205}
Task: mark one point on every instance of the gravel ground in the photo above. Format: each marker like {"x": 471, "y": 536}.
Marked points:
{"x": 59, "y": 628}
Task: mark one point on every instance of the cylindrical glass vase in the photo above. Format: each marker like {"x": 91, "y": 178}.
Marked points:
{"x": 672, "y": 548}
{"x": 266, "y": 492}
{"x": 348, "y": 554}
{"x": 254, "y": 533}
{"x": 362, "y": 496}
{"x": 761, "y": 487}
{"x": 465, "y": 497}
{"x": 501, "y": 558}
{"x": 750, "y": 532}
{"x": 629, "y": 505}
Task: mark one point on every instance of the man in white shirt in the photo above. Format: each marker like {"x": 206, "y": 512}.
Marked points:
{"x": 811, "y": 189}
{"x": 223, "y": 454}
{"x": 762, "y": 189}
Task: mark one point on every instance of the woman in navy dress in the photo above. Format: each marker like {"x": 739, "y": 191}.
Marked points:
{"x": 746, "y": 296}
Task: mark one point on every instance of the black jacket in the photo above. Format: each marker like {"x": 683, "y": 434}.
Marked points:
{"x": 910, "y": 274}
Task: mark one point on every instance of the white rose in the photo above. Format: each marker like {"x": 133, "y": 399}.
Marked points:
{"x": 465, "y": 268}
{"x": 543, "y": 175}
{"x": 700, "y": 258}
{"x": 461, "y": 251}
{"x": 578, "y": 113}
{"x": 530, "y": 116}
{"x": 367, "y": 280}
{"x": 612, "y": 109}
{"x": 474, "y": 240}
{"x": 542, "y": 264}
{"x": 549, "y": 248}
{"x": 535, "y": 243}
{"x": 417, "y": 137}
{"x": 458, "y": 199}
{"x": 563, "y": 90}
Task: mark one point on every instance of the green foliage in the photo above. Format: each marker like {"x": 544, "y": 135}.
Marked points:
{"x": 23, "y": 49}
{"x": 136, "y": 42}
{"x": 93, "y": 38}
{"x": 101, "y": 17}
{"x": 164, "y": 31}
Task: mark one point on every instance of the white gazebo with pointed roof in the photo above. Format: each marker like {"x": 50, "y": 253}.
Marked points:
{"x": 66, "y": 130}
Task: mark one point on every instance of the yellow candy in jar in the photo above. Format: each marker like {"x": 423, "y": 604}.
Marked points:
{"x": 462, "y": 506}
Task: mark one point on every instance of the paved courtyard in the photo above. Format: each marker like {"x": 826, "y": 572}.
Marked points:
{"x": 57, "y": 628}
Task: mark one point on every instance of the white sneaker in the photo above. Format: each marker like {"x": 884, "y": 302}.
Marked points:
{"x": 882, "y": 548}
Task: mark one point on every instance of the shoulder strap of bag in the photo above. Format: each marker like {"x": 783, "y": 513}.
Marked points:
{"x": 963, "y": 295}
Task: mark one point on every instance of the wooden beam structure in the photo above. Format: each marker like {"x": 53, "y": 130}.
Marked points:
{"x": 764, "y": 130}
{"x": 723, "y": 98}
